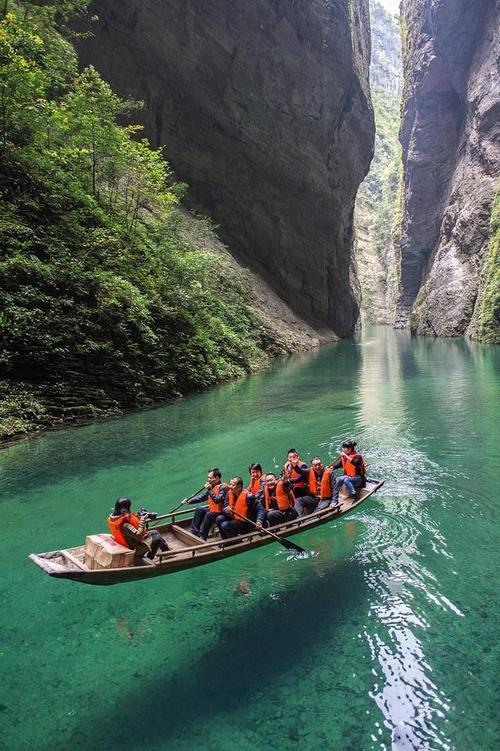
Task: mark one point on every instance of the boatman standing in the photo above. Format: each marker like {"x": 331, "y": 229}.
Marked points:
{"x": 354, "y": 471}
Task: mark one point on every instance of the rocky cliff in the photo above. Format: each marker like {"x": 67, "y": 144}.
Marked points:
{"x": 385, "y": 66}
{"x": 264, "y": 111}
{"x": 451, "y": 145}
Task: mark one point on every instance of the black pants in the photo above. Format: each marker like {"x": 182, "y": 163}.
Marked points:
{"x": 231, "y": 528}
{"x": 208, "y": 522}
{"x": 149, "y": 546}
{"x": 305, "y": 504}
{"x": 199, "y": 516}
{"x": 157, "y": 544}
{"x": 275, "y": 516}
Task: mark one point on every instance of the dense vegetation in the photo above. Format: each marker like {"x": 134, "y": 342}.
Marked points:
{"x": 378, "y": 202}
{"x": 107, "y": 299}
{"x": 489, "y": 316}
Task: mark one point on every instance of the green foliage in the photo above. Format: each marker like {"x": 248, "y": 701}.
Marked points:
{"x": 489, "y": 317}
{"x": 109, "y": 299}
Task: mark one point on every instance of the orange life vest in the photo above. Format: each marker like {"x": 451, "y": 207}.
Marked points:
{"x": 349, "y": 469}
{"x": 284, "y": 498}
{"x": 212, "y": 505}
{"x": 320, "y": 486}
{"x": 293, "y": 474}
{"x": 255, "y": 485}
{"x": 326, "y": 488}
{"x": 239, "y": 505}
{"x": 115, "y": 524}
{"x": 314, "y": 482}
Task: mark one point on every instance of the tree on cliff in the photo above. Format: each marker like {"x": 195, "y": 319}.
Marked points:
{"x": 106, "y": 300}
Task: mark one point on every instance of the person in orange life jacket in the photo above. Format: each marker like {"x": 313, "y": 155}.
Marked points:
{"x": 295, "y": 471}
{"x": 131, "y": 531}
{"x": 353, "y": 466}
{"x": 215, "y": 495}
{"x": 316, "y": 487}
{"x": 240, "y": 502}
{"x": 321, "y": 482}
{"x": 256, "y": 479}
{"x": 278, "y": 500}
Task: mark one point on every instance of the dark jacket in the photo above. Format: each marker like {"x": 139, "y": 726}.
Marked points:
{"x": 256, "y": 511}
{"x": 208, "y": 492}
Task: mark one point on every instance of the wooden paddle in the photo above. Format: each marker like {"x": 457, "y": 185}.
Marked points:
{"x": 186, "y": 499}
{"x": 286, "y": 543}
{"x": 164, "y": 516}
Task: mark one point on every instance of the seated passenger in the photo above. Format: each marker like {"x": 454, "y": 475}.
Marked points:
{"x": 241, "y": 505}
{"x": 295, "y": 470}
{"x": 278, "y": 500}
{"x": 353, "y": 466}
{"x": 214, "y": 495}
{"x": 256, "y": 479}
{"x": 320, "y": 483}
{"x": 132, "y": 531}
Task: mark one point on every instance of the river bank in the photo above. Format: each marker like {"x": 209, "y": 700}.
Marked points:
{"x": 31, "y": 407}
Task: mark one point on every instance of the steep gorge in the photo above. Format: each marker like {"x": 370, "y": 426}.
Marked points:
{"x": 377, "y": 200}
{"x": 263, "y": 109}
{"x": 451, "y": 152}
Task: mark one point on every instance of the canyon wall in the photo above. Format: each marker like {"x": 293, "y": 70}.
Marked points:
{"x": 264, "y": 110}
{"x": 451, "y": 150}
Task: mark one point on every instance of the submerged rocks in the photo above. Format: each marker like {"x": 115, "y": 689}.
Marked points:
{"x": 264, "y": 110}
{"x": 451, "y": 152}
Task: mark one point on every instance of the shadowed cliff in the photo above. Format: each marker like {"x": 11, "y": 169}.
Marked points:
{"x": 450, "y": 135}
{"x": 264, "y": 110}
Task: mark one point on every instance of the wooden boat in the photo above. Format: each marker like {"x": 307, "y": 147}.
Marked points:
{"x": 186, "y": 550}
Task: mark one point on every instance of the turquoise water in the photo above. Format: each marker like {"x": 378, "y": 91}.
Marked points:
{"x": 383, "y": 637}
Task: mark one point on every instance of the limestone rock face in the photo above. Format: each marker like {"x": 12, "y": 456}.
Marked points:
{"x": 263, "y": 109}
{"x": 385, "y": 67}
{"x": 451, "y": 149}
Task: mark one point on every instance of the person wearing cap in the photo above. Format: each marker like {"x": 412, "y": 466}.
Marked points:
{"x": 353, "y": 466}
{"x": 131, "y": 531}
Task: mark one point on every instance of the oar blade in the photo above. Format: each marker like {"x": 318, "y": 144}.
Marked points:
{"x": 291, "y": 546}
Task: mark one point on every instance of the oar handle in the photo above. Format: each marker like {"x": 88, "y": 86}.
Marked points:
{"x": 171, "y": 513}
{"x": 190, "y": 498}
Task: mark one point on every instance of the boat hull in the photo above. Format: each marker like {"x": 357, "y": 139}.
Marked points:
{"x": 65, "y": 564}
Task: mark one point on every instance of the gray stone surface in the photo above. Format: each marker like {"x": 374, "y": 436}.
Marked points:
{"x": 263, "y": 109}
{"x": 451, "y": 146}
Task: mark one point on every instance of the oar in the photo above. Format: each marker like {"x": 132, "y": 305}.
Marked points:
{"x": 164, "y": 516}
{"x": 286, "y": 543}
{"x": 187, "y": 499}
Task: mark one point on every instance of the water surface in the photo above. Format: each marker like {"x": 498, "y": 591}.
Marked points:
{"x": 384, "y": 637}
